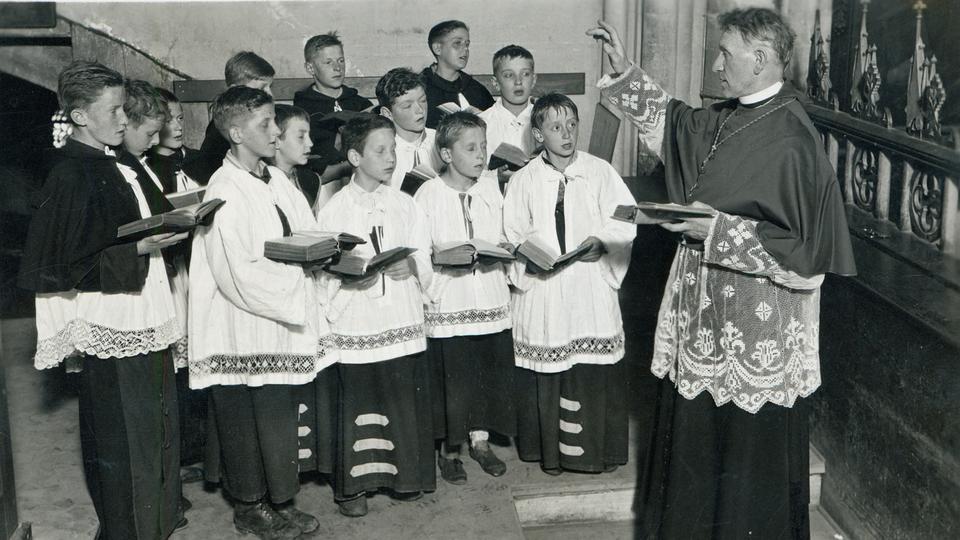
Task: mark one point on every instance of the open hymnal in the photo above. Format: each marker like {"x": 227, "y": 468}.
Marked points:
{"x": 469, "y": 252}
{"x": 507, "y": 154}
{"x": 451, "y": 107}
{"x": 309, "y": 246}
{"x": 354, "y": 266}
{"x": 174, "y": 221}
{"x": 542, "y": 258}
{"x": 650, "y": 213}
{"x": 187, "y": 197}
{"x": 416, "y": 177}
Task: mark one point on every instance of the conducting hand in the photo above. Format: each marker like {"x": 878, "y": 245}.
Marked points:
{"x": 159, "y": 241}
{"x": 696, "y": 228}
{"x": 596, "y": 249}
{"x": 612, "y": 45}
{"x": 399, "y": 270}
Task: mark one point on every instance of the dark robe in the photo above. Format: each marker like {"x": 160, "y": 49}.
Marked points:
{"x": 167, "y": 167}
{"x": 440, "y": 91}
{"x": 324, "y": 138}
{"x": 72, "y": 240}
{"x": 308, "y": 181}
{"x": 209, "y": 158}
{"x": 774, "y": 171}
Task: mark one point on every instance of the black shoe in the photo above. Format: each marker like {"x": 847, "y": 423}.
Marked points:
{"x": 552, "y": 472}
{"x": 610, "y": 468}
{"x": 263, "y": 521}
{"x": 488, "y": 461}
{"x": 182, "y": 524}
{"x": 302, "y": 520}
{"x": 355, "y": 507}
{"x": 406, "y": 496}
{"x": 189, "y": 475}
{"x": 185, "y": 504}
{"x": 452, "y": 470}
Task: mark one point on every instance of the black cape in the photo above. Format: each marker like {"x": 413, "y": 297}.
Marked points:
{"x": 774, "y": 171}
{"x": 72, "y": 240}
{"x": 319, "y": 105}
{"x": 440, "y": 91}
{"x": 167, "y": 167}
{"x": 209, "y": 158}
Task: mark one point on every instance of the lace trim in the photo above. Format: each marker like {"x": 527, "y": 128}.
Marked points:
{"x": 84, "y": 337}
{"x": 260, "y": 363}
{"x": 467, "y": 316}
{"x": 386, "y": 339}
{"x": 590, "y": 345}
{"x": 180, "y": 351}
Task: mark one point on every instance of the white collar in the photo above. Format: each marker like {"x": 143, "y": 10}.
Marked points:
{"x": 524, "y": 115}
{"x": 415, "y": 144}
{"x": 766, "y": 93}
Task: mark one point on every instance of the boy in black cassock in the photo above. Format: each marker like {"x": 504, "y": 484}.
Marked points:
{"x": 445, "y": 80}
{"x": 242, "y": 69}
{"x": 323, "y": 60}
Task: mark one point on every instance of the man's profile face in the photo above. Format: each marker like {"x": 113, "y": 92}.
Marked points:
{"x": 735, "y": 65}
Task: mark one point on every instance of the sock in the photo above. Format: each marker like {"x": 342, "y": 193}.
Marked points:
{"x": 478, "y": 436}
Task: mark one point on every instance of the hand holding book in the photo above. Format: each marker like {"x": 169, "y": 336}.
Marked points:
{"x": 150, "y": 244}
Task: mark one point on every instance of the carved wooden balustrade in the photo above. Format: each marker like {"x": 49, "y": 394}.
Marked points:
{"x": 906, "y": 177}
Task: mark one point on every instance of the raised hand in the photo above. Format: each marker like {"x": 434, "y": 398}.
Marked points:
{"x": 612, "y": 45}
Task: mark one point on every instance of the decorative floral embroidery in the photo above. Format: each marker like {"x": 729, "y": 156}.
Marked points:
{"x": 763, "y": 311}
{"x": 728, "y": 291}
{"x": 377, "y": 341}
{"x": 80, "y": 336}
{"x": 550, "y": 355}
{"x": 469, "y": 316}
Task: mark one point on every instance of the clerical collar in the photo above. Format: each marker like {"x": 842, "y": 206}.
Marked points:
{"x": 263, "y": 176}
{"x": 762, "y": 95}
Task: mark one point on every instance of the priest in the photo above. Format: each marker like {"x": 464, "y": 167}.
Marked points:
{"x": 736, "y": 344}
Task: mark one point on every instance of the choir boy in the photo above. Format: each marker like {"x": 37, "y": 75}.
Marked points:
{"x": 242, "y": 69}
{"x": 508, "y": 119}
{"x": 167, "y": 157}
{"x": 385, "y": 425}
{"x": 256, "y": 325}
{"x": 324, "y": 61}
{"x": 403, "y": 100}
{"x": 109, "y": 302}
{"x": 568, "y": 333}
{"x": 468, "y": 316}
{"x": 293, "y": 151}
{"x": 445, "y": 80}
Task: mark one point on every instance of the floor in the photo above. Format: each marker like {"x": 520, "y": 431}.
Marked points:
{"x": 52, "y": 495}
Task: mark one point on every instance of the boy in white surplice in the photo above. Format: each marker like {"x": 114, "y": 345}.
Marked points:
{"x": 256, "y": 325}
{"x": 567, "y": 327}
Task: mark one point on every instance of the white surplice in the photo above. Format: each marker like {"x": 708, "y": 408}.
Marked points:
{"x": 410, "y": 154}
{"x": 571, "y": 316}
{"x": 253, "y": 321}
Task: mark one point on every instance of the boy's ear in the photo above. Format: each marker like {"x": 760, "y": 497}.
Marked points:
{"x": 446, "y": 156}
{"x": 436, "y": 48}
{"x": 236, "y": 134}
{"x": 537, "y": 135}
{"x": 309, "y": 67}
{"x": 354, "y": 157}
{"x": 385, "y": 112}
{"x": 533, "y": 83}
{"x": 496, "y": 83}
{"x": 78, "y": 116}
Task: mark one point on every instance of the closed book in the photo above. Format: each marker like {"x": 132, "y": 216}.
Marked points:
{"x": 345, "y": 241}
{"x": 300, "y": 249}
{"x": 174, "y": 221}
{"x": 350, "y": 265}
{"x": 542, "y": 258}
{"x": 185, "y": 198}
{"x": 507, "y": 154}
{"x": 455, "y": 254}
{"x": 650, "y": 213}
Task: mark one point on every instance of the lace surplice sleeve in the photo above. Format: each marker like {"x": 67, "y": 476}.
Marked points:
{"x": 642, "y": 101}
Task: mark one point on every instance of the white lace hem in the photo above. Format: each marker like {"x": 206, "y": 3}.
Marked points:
{"x": 84, "y": 337}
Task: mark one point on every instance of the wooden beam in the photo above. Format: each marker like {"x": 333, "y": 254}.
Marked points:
{"x": 201, "y": 91}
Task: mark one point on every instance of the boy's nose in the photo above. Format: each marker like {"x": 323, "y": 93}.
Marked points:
{"x": 718, "y": 63}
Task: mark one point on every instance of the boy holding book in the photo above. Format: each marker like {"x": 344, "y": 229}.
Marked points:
{"x": 256, "y": 325}
{"x": 508, "y": 119}
{"x": 403, "y": 101}
{"x": 245, "y": 68}
{"x": 568, "y": 333}
{"x": 324, "y": 61}
{"x": 386, "y": 433}
{"x": 468, "y": 315}
{"x": 444, "y": 80}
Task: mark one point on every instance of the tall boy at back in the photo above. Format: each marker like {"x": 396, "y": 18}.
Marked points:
{"x": 403, "y": 100}
{"x": 242, "y": 69}
{"x": 445, "y": 80}
{"x": 567, "y": 329}
{"x": 324, "y": 61}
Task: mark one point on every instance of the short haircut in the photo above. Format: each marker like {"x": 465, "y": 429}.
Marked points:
{"x": 554, "y": 101}
{"x": 395, "y": 83}
{"x": 246, "y": 66}
{"x": 508, "y": 53}
{"x": 441, "y": 29}
{"x": 234, "y": 105}
{"x": 167, "y": 95}
{"x": 356, "y": 130}
{"x": 82, "y": 82}
{"x": 760, "y": 24}
{"x": 321, "y": 41}
{"x": 452, "y": 126}
{"x": 286, "y": 113}
{"x": 143, "y": 102}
